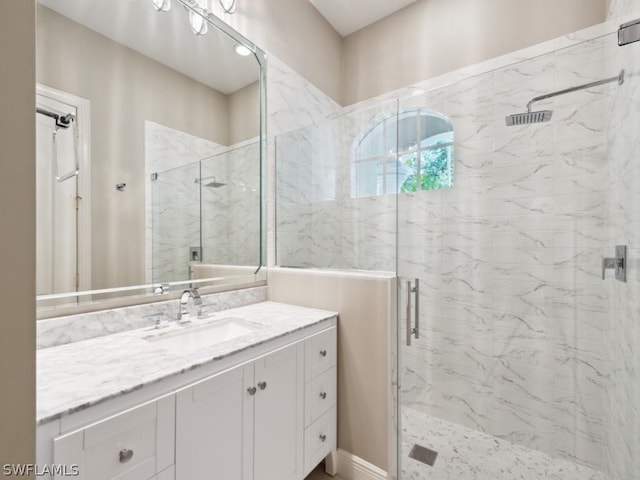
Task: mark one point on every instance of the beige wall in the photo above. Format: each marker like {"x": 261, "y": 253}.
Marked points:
{"x": 296, "y": 33}
{"x": 363, "y": 333}
{"x": 125, "y": 89}
{"x": 432, "y": 37}
{"x": 244, "y": 114}
{"x": 17, "y": 233}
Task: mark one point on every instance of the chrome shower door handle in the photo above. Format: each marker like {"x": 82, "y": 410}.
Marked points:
{"x": 408, "y": 319}
{"x": 416, "y": 323}
{"x": 415, "y": 330}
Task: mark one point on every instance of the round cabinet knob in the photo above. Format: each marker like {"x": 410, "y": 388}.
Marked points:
{"x": 323, "y": 395}
{"x": 251, "y": 390}
{"x": 125, "y": 455}
{"x": 262, "y": 385}
{"x": 323, "y": 353}
{"x": 323, "y": 437}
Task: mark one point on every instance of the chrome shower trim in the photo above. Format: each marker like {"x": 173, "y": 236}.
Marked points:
{"x": 629, "y": 32}
{"x": 530, "y": 117}
{"x": 618, "y": 78}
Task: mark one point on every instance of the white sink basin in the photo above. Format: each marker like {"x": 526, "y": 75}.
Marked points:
{"x": 193, "y": 338}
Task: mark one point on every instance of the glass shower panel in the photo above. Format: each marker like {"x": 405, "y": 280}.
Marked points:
{"x": 175, "y": 223}
{"x": 335, "y": 192}
{"x": 230, "y": 219}
{"x": 621, "y": 324}
{"x": 507, "y": 375}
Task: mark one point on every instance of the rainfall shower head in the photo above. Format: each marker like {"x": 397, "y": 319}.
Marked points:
{"x": 528, "y": 118}
{"x": 209, "y": 182}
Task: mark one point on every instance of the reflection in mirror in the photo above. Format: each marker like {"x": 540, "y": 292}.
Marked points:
{"x": 166, "y": 124}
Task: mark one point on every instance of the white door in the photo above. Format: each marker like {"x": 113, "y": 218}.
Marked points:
{"x": 210, "y": 437}
{"x": 56, "y": 217}
{"x": 278, "y": 416}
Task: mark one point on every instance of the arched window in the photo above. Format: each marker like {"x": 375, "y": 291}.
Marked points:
{"x": 408, "y": 152}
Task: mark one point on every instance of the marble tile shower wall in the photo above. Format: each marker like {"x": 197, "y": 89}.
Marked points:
{"x": 622, "y": 324}
{"x": 230, "y": 214}
{"x": 224, "y": 220}
{"x": 621, "y": 8}
{"x": 175, "y": 222}
{"x": 166, "y": 151}
{"x": 319, "y": 222}
{"x": 292, "y": 103}
{"x": 512, "y": 304}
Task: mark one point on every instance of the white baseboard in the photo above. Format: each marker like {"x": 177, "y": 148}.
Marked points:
{"x": 351, "y": 467}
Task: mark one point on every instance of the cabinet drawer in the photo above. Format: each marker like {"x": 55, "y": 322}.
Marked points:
{"x": 319, "y": 353}
{"x": 319, "y": 396}
{"x": 319, "y": 440}
{"x": 133, "y": 445}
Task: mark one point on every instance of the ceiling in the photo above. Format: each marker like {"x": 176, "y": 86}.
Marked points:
{"x": 348, "y": 16}
{"x": 165, "y": 37}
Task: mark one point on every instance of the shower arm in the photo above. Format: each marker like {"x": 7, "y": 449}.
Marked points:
{"x": 618, "y": 78}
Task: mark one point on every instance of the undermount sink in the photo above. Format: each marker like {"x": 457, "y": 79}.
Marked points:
{"x": 193, "y": 338}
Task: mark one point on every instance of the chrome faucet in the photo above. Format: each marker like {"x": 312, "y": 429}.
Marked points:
{"x": 184, "y": 314}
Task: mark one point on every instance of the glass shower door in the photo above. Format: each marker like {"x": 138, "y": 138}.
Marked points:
{"x": 525, "y": 363}
{"x": 443, "y": 262}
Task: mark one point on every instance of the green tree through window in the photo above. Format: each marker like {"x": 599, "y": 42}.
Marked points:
{"x": 409, "y": 152}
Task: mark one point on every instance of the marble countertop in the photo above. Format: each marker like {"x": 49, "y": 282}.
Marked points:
{"x": 78, "y": 375}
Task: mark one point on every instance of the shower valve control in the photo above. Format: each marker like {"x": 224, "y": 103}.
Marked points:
{"x": 617, "y": 263}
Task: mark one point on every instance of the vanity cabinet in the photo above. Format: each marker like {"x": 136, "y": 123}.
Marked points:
{"x": 137, "y": 444}
{"x": 320, "y": 398}
{"x": 209, "y": 429}
{"x": 244, "y": 423}
{"x": 269, "y": 415}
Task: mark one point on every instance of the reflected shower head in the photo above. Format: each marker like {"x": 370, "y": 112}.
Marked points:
{"x": 210, "y": 182}
{"x": 528, "y": 118}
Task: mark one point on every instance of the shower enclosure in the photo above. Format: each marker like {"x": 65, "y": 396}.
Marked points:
{"x": 204, "y": 219}
{"x": 517, "y": 346}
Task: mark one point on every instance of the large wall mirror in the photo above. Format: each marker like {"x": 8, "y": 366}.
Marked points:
{"x": 149, "y": 152}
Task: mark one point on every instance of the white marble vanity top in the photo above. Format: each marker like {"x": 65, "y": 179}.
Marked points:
{"x": 78, "y": 375}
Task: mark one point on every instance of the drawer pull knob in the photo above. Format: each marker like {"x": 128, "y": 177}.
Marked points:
{"x": 251, "y": 390}
{"x": 323, "y": 353}
{"x": 125, "y": 455}
{"x": 323, "y": 395}
{"x": 262, "y": 385}
{"x": 323, "y": 437}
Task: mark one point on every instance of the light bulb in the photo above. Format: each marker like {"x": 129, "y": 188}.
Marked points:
{"x": 162, "y": 5}
{"x": 229, "y": 6}
{"x": 242, "y": 50}
{"x": 198, "y": 23}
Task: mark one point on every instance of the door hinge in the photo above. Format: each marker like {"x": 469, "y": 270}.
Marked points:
{"x": 78, "y": 198}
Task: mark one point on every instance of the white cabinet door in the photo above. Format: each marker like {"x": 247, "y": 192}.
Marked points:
{"x": 278, "y": 411}
{"x": 209, "y": 428}
{"x": 132, "y": 445}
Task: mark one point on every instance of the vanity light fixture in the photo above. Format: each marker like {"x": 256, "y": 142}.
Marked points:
{"x": 242, "y": 50}
{"x": 162, "y": 5}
